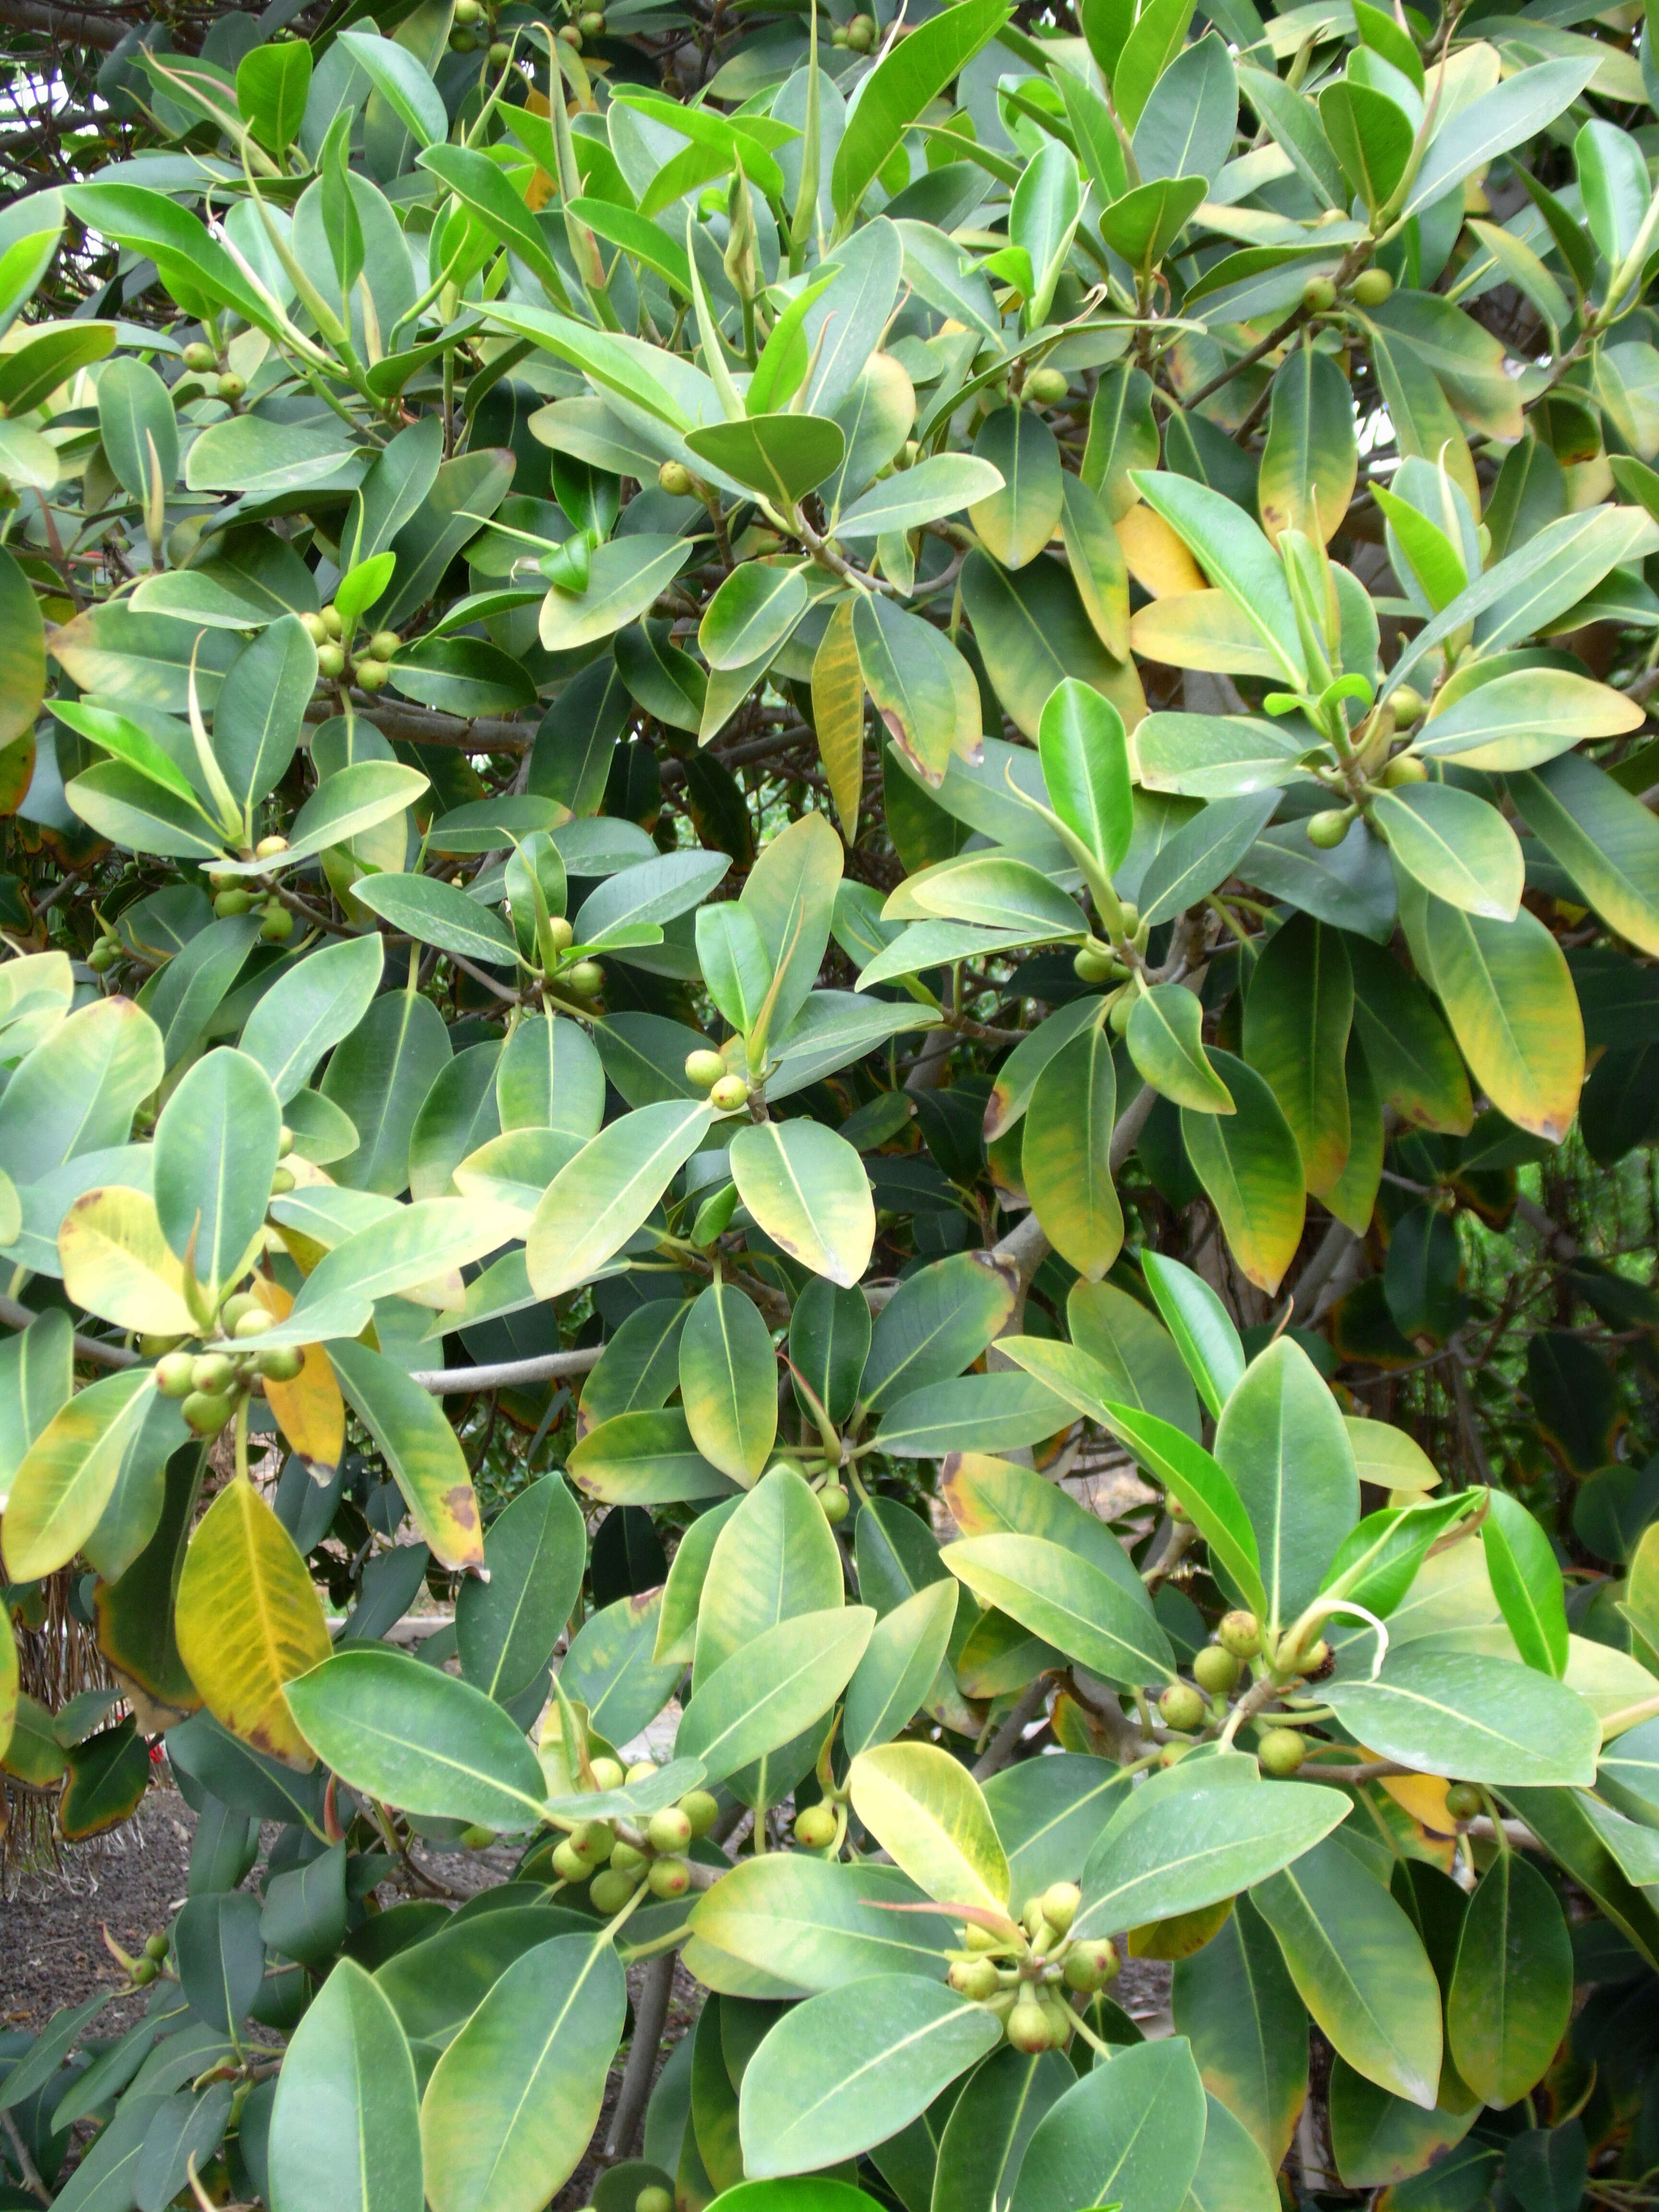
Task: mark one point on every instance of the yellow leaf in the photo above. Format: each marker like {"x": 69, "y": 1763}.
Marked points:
{"x": 248, "y": 1620}
{"x": 310, "y": 1410}
{"x": 118, "y": 1263}
{"x": 1155, "y": 557}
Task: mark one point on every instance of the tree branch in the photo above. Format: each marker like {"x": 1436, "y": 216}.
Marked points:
{"x": 69, "y": 26}
{"x": 650, "y": 2016}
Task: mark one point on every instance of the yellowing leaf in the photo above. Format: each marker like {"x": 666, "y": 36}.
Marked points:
{"x": 1155, "y": 557}
{"x": 69, "y": 1472}
{"x": 924, "y": 1808}
{"x": 838, "y": 716}
{"x": 310, "y": 1410}
{"x": 117, "y": 1263}
{"x": 248, "y": 1620}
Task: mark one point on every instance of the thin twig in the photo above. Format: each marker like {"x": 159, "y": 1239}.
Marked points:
{"x": 650, "y": 2016}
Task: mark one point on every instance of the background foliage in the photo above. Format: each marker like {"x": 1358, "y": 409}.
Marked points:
{"x": 832, "y": 909}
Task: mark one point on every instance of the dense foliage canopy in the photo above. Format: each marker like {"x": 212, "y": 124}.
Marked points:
{"x": 814, "y": 828}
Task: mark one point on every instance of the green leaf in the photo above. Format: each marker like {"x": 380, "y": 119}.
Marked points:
{"x": 625, "y": 577}
{"x": 1526, "y": 1580}
{"x": 1129, "y": 2133}
{"x": 728, "y": 1382}
{"x": 1235, "y": 2002}
{"x": 1201, "y": 1324}
{"x": 272, "y": 83}
{"x": 1518, "y": 108}
{"x": 1065, "y": 1153}
{"x": 593, "y": 1206}
{"x": 420, "y": 1448}
{"x": 929, "y": 1814}
{"x": 1232, "y": 2174}
{"x": 1522, "y": 719}
{"x": 819, "y": 1924}
{"x": 1282, "y": 1442}
{"x": 1067, "y": 1601}
{"x": 1360, "y": 1969}
{"x": 751, "y": 614}
{"x": 1015, "y": 522}
{"x": 136, "y": 421}
{"x": 1085, "y": 765}
{"x": 937, "y": 1322}
{"x": 23, "y": 654}
{"x": 899, "y": 88}
{"x": 310, "y": 1008}
{"x": 851, "y": 2067}
{"x": 1605, "y": 840}
{"x": 644, "y": 1459}
{"x": 1237, "y": 558}
{"x": 807, "y": 1188}
{"x": 69, "y": 1474}
{"x": 345, "y": 2129}
{"x": 922, "y": 688}
{"x": 1166, "y": 1043}
{"x": 418, "y": 1738}
{"x": 512, "y": 2102}
{"x": 610, "y": 1669}
{"x": 907, "y": 1649}
{"x": 1456, "y": 847}
{"x": 1250, "y": 1163}
{"x": 781, "y": 456}
{"x": 1296, "y": 1020}
{"x": 506, "y": 1628}
{"x": 1033, "y": 631}
{"x": 37, "y": 1374}
{"x": 1512, "y": 1989}
{"x": 402, "y": 82}
{"x": 771, "y": 1691}
{"x": 216, "y": 1153}
{"x": 434, "y": 912}
{"x": 943, "y": 485}
{"x": 773, "y": 1558}
{"x": 1482, "y": 1719}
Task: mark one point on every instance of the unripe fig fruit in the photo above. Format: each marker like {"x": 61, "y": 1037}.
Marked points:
{"x": 593, "y": 1842}
{"x": 1061, "y": 2019}
{"x": 103, "y": 956}
{"x": 279, "y": 924}
{"x": 285, "y": 1363}
{"x": 1059, "y": 1903}
{"x": 269, "y": 848}
{"x": 607, "y": 1772}
{"x": 641, "y": 1771}
{"x": 1281, "y": 1751}
{"x": 226, "y": 903}
{"x": 1215, "y": 1670}
{"x": 669, "y": 1877}
{"x": 330, "y": 661}
{"x": 211, "y": 1373}
{"x": 861, "y": 35}
{"x": 1047, "y": 387}
{"x": 207, "y": 1414}
{"x": 155, "y": 1947}
{"x": 333, "y": 620}
{"x": 1181, "y": 1707}
{"x": 571, "y": 36}
{"x": 677, "y": 479}
{"x": 1091, "y": 965}
{"x": 1090, "y": 1966}
{"x": 585, "y": 979}
{"x": 701, "y": 1809}
{"x": 477, "y": 1837}
{"x": 627, "y": 1859}
{"x": 1045, "y": 1939}
{"x": 1464, "y": 1801}
{"x": 281, "y": 1182}
{"x": 175, "y": 1375}
{"x": 1313, "y": 1657}
{"x": 976, "y": 1938}
{"x": 199, "y": 356}
{"x": 815, "y": 1827}
{"x": 500, "y": 54}
{"x": 468, "y": 12}
{"x": 385, "y": 644}
{"x": 315, "y": 629}
{"x": 372, "y": 675}
{"x": 835, "y": 1504}
{"x": 239, "y": 1303}
{"x": 1403, "y": 767}
{"x": 974, "y": 1978}
{"x": 255, "y": 1322}
{"x": 611, "y": 1889}
{"x": 1327, "y": 828}
{"x": 144, "y": 1971}
{"x": 653, "y": 2199}
{"x": 1240, "y": 1633}
{"x": 1030, "y": 2028}
{"x": 704, "y": 1068}
{"x": 153, "y": 1347}
{"x": 1319, "y": 295}
{"x": 729, "y": 1093}
{"x": 669, "y": 1830}
{"x": 1371, "y": 286}
{"x": 591, "y": 22}
{"x": 230, "y": 386}
{"x": 1409, "y": 706}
